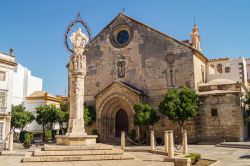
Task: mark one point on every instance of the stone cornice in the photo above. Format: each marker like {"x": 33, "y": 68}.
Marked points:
{"x": 8, "y": 62}
{"x": 45, "y": 97}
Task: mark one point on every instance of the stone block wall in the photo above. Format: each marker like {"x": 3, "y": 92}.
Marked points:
{"x": 226, "y": 124}
{"x": 147, "y": 66}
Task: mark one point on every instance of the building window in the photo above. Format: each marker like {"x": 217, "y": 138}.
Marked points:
{"x": 123, "y": 37}
{"x": 211, "y": 69}
{"x": 2, "y": 75}
{"x": 3, "y": 99}
{"x": 219, "y": 68}
{"x": 1, "y": 131}
{"x": 203, "y": 74}
{"x": 227, "y": 69}
{"x": 214, "y": 112}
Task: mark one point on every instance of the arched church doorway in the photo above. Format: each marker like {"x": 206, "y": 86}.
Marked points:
{"x": 121, "y": 122}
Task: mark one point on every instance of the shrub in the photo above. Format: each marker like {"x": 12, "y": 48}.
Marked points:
{"x": 28, "y": 140}
{"x": 194, "y": 157}
{"x": 48, "y": 136}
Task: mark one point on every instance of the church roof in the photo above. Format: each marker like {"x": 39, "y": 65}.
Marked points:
{"x": 153, "y": 29}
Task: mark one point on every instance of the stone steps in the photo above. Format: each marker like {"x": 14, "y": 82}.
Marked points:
{"x": 39, "y": 152}
{"x": 79, "y": 147}
{"x": 76, "y": 153}
{"x": 30, "y": 158}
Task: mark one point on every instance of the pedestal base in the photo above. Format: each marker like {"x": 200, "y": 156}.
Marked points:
{"x": 76, "y": 140}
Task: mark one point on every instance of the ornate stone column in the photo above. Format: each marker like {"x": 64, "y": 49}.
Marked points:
{"x": 76, "y": 134}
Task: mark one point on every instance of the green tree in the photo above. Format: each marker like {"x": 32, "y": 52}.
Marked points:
{"x": 89, "y": 115}
{"x": 64, "y": 106}
{"x": 179, "y": 105}
{"x": 48, "y": 114}
{"x": 145, "y": 115}
{"x": 20, "y": 117}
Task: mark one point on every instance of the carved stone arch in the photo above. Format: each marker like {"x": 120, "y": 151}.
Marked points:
{"x": 108, "y": 112}
{"x": 117, "y": 96}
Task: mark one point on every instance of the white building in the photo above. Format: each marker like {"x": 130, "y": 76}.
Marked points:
{"x": 7, "y": 67}
{"x": 37, "y": 99}
{"x": 234, "y": 69}
{"x": 24, "y": 84}
{"x": 16, "y": 83}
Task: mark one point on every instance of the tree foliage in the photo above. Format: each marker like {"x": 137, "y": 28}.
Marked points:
{"x": 89, "y": 115}
{"x": 20, "y": 117}
{"x": 179, "y": 105}
{"x": 64, "y": 106}
{"x": 145, "y": 115}
{"x": 247, "y": 103}
{"x": 47, "y": 114}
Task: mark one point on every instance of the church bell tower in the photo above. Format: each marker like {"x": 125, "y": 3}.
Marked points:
{"x": 195, "y": 37}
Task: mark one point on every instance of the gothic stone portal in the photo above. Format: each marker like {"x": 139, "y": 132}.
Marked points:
{"x": 114, "y": 106}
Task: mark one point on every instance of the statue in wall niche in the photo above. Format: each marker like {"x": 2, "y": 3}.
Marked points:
{"x": 121, "y": 68}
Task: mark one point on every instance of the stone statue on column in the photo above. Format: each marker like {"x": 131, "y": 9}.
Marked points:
{"x": 76, "y": 134}
{"x": 77, "y": 72}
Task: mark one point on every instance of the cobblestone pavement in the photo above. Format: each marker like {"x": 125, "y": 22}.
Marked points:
{"x": 227, "y": 157}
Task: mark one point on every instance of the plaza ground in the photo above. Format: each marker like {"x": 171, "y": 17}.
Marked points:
{"x": 226, "y": 156}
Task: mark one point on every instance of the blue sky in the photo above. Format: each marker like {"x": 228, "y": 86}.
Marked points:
{"x": 35, "y": 29}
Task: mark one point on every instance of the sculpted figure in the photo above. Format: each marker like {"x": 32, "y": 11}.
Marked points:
{"x": 79, "y": 41}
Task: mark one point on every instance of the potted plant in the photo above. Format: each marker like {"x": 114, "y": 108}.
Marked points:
{"x": 27, "y": 141}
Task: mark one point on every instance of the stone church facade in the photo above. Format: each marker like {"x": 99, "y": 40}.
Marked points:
{"x": 130, "y": 62}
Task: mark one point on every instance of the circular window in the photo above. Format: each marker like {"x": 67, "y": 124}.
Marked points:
{"x": 121, "y": 35}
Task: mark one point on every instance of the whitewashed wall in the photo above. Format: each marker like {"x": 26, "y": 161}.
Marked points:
{"x": 24, "y": 84}
{"x": 234, "y": 73}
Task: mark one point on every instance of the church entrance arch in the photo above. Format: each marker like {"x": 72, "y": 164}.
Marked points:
{"x": 114, "y": 110}
{"x": 116, "y": 116}
{"x": 121, "y": 122}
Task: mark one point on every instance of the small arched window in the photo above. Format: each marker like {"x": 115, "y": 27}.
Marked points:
{"x": 211, "y": 69}
{"x": 219, "y": 68}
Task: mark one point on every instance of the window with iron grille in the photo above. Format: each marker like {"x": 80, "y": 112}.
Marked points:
{"x": 1, "y": 131}
{"x": 3, "y": 99}
{"x": 227, "y": 70}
